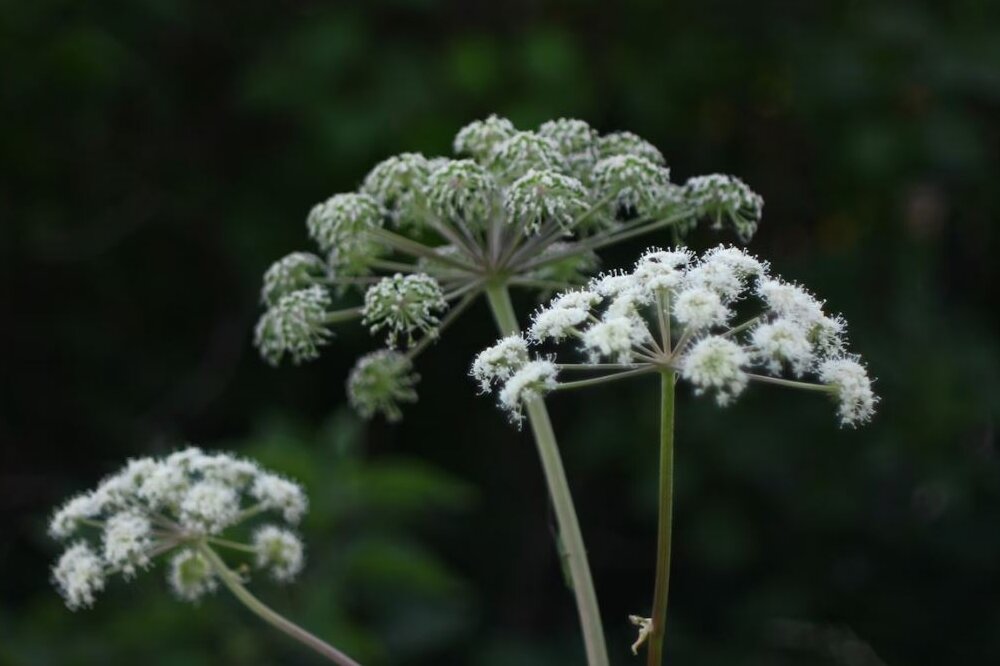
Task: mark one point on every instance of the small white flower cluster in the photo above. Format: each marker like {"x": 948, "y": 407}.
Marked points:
{"x": 379, "y": 382}
{"x": 404, "y": 304}
{"x": 674, "y": 312}
{"x": 343, "y": 219}
{"x": 182, "y": 503}
{"x": 295, "y": 271}
{"x": 295, "y": 325}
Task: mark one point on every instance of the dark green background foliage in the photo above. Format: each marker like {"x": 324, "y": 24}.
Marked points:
{"x": 157, "y": 155}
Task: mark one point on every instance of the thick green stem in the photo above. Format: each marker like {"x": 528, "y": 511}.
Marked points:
{"x": 562, "y": 500}
{"x": 232, "y": 581}
{"x": 661, "y": 587}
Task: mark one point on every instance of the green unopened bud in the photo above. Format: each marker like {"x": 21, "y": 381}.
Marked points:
{"x": 404, "y": 305}
{"x": 632, "y": 184}
{"x": 539, "y": 197}
{"x": 295, "y": 325}
{"x": 343, "y": 219}
{"x": 292, "y": 272}
{"x": 479, "y": 137}
{"x": 577, "y": 141}
{"x": 379, "y": 382}
{"x": 718, "y": 196}
{"x": 627, "y": 143}
{"x": 398, "y": 185}
{"x": 462, "y": 191}
{"x": 522, "y": 152}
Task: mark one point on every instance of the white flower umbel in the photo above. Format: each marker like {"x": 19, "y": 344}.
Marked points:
{"x": 674, "y": 313}
{"x": 672, "y": 316}
{"x": 150, "y": 507}
{"x": 180, "y": 507}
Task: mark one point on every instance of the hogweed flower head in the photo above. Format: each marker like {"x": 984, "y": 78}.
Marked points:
{"x": 380, "y": 382}
{"x": 425, "y": 236}
{"x": 180, "y": 504}
{"x": 674, "y": 312}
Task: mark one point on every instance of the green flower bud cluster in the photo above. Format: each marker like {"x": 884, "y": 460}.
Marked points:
{"x": 404, "y": 305}
{"x": 380, "y": 382}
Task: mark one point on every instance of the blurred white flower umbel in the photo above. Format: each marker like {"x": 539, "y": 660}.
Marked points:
{"x": 181, "y": 507}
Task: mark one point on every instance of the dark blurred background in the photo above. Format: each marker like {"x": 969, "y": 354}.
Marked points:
{"x": 157, "y": 155}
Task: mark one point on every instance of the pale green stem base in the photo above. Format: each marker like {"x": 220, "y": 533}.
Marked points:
{"x": 562, "y": 500}
{"x": 232, "y": 581}
{"x": 661, "y": 587}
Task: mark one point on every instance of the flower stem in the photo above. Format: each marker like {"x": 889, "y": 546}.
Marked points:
{"x": 232, "y": 581}
{"x": 604, "y": 379}
{"x": 562, "y": 500}
{"x": 661, "y": 587}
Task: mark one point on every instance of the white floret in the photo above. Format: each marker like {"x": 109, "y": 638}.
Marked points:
{"x": 209, "y": 507}
{"x": 68, "y": 517}
{"x": 127, "y": 541}
{"x": 562, "y": 315}
{"x": 659, "y": 270}
{"x": 280, "y": 551}
{"x": 499, "y": 362}
{"x": 79, "y": 575}
{"x": 791, "y": 301}
{"x": 164, "y": 485}
{"x": 532, "y": 381}
{"x": 614, "y": 337}
{"x": 853, "y": 388}
{"x": 716, "y": 364}
{"x": 280, "y": 494}
{"x": 699, "y": 309}
{"x": 782, "y": 342}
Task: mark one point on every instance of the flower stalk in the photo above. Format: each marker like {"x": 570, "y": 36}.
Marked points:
{"x": 233, "y": 583}
{"x": 661, "y": 586}
{"x": 562, "y": 499}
